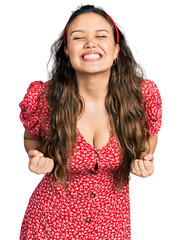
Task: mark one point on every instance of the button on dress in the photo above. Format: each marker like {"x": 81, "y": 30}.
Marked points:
{"x": 92, "y": 208}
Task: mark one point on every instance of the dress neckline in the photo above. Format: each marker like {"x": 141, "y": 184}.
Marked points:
{"x": 96, "y": 150}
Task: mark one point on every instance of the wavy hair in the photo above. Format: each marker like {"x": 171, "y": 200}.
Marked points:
{"x": 124, "y": 103}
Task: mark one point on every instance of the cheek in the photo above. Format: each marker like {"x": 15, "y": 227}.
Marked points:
{"x": 74, "y": 51}
{"x": 112, "y": 52}
{"x": 74, "y": 59}
{"x": 109, "y": 49}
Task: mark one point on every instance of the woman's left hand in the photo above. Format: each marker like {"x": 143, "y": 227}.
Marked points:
{"x": 143, "y": 167}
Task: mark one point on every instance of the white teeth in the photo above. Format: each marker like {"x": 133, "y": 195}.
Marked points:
{"x": 92, "y": 56}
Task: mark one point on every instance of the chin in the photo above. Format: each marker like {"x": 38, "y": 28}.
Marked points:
{"x": 94, "y": 70}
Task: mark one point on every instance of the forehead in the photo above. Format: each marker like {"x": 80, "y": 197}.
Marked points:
{"x": 89, "y": 21}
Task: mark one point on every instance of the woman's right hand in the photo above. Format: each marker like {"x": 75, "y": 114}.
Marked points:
{"x": 38, "y": 163}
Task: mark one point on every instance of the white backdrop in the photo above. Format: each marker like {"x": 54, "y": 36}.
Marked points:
{"x": 152, "y": 28}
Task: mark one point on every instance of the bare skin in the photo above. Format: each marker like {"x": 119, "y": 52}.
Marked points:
{"x": 37, "y": 162}
{"x": 90, "y": 34}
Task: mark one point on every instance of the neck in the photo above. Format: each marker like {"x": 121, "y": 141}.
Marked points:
{"x": 93, "y": 87}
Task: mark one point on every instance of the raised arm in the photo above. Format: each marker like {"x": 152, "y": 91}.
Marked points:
{"x": 153, "y": 142}
{"x": 37, "y": 162}
{"x": 144, "y": 167}
{"x": 31, "y": 141}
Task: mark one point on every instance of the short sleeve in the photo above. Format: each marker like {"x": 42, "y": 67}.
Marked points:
{"x": 153, "y": 104}
{"x": 31, "y": 115}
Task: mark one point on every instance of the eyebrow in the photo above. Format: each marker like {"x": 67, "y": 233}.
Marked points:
{"x": 76, "y": 31}
{"x": 98, "y": 30}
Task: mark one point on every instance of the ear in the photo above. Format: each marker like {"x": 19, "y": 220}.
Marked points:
{"x": 116, "y": 51}
{"x": 66, "y": 51}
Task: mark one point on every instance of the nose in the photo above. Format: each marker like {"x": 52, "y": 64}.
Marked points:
{"x": 90, "y": 42}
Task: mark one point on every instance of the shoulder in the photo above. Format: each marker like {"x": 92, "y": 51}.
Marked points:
{"x": 150, "y": 91}
{"x": 34, "y": 108}
{"x": 35, "y": 88}
{"x": 153, "y": 104}
{"x": 148, "y": 86}
{"x": 33, "y": 93}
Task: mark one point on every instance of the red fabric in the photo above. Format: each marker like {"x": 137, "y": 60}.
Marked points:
{"x": 53, "y": 214}
{"x": 153, "y": 106}
{"x": 30, "y": 114}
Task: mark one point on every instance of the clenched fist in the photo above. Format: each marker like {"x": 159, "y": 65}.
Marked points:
{"x": 143, "y": 167}
{"x": 38, "y": 163}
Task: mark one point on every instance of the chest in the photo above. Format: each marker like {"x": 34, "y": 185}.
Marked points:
{"x": 94, "y": 125}
{"x": 86, "y": 157}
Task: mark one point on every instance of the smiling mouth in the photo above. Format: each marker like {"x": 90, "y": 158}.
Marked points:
{"x": 91, "y": 57}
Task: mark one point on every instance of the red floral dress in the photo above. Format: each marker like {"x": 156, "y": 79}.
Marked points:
{"x": 92, "y": 208}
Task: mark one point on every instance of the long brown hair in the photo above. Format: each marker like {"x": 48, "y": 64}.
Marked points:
{"x": 124, "y": 103}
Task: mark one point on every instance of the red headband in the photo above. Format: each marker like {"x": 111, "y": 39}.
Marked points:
{"x": 117, "y": 32}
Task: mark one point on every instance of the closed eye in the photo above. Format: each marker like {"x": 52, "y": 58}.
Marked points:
{"x": 76, "y": 38}
{"x": 102, "y": 36}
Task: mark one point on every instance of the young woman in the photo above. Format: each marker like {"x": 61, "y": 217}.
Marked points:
{"x": 95, "y": 121}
